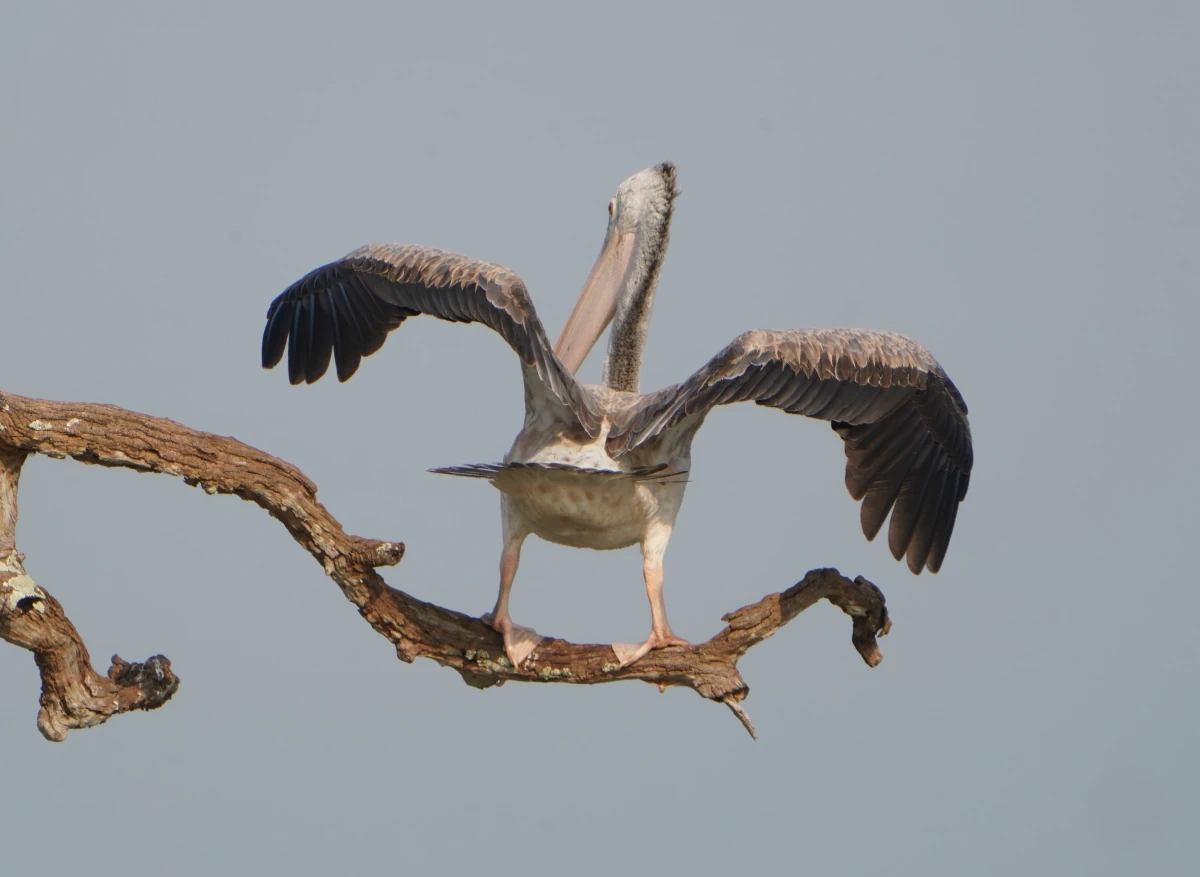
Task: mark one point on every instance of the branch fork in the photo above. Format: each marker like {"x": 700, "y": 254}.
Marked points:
{"x": 74, "y": 695}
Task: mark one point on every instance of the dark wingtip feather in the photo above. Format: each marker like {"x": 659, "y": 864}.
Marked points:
{"x": 944, "y": 528}
{"x": 321, "y": 331}
{"x": 347, "y": 360}
{"x": 870, "y": 523}
{"x": 926, "y": 530}
{"x": 298, "y": 347}
{"x": 913, "y": 505}
{"x": 275, "y": 335}
{"x": 883, "y": 492}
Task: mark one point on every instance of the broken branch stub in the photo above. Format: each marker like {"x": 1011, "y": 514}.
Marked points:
{"x": 109, "y": 436}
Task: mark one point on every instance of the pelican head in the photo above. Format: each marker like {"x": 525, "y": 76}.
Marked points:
{"x": 622, "y": 283}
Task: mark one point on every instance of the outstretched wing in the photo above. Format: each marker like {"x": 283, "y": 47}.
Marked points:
{"x": 345, "y": 310}
{"x": 904, "y": 423}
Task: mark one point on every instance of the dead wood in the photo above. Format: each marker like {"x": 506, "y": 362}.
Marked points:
{"x": 74, "y": 695}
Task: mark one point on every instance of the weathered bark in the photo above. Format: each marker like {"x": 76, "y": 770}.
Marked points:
{"x": 75, "y": 696}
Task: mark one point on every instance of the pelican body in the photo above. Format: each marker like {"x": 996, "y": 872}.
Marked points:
{"x": 605, "y": 466}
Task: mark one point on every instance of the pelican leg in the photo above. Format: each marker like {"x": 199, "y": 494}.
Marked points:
{"x": 519, "y": 642}
{"x": 661, "y": 634}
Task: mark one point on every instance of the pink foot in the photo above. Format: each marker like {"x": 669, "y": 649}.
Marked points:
{"x": 627, "y": 653}
{"x": 519, "y": 642}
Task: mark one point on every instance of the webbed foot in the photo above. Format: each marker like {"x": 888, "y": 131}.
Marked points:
{"x": 519, "y": 641}
{"x": 627, "y": 653}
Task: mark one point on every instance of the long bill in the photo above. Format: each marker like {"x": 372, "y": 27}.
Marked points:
{"x": 597, "y": 303}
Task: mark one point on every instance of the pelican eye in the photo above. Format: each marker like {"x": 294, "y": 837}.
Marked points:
{"x": 612, "y": 206}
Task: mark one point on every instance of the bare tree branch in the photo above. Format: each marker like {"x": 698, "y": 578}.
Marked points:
{"x": 74, "y": 695}
{"x": 109, "y": 436}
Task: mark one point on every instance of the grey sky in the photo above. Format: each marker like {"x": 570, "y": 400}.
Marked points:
{"x": 1013, "y": 184}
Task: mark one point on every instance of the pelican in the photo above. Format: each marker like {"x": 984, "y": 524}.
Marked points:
{"x": 606, "y": 466}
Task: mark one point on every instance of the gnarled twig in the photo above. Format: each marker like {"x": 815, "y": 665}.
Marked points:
{"x": 110, "y": 436}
